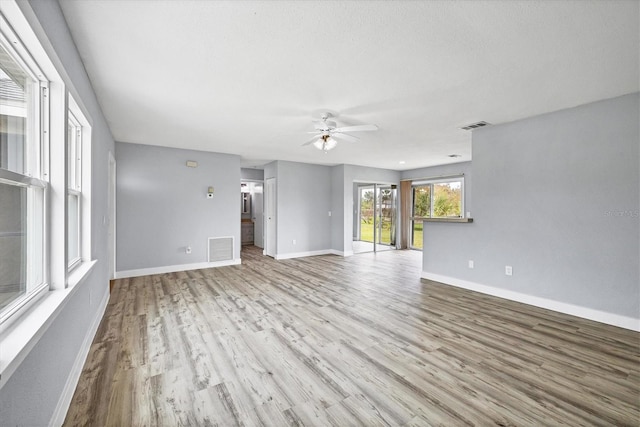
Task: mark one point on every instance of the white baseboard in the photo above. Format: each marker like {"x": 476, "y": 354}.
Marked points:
{"x": 340, "y": 253}
{"x": 62, "y": 407}
{"x": 174, "y": 268}
{"x": 561, "y": 307}
{"x": 306, "y": 254}
{"x": 314, "y": 253}
{"x": 337, "y": 252}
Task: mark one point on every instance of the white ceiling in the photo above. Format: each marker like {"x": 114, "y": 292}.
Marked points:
{"x": 247, "y": 77}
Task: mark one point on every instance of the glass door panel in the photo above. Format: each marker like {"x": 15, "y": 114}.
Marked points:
{"x": 375, "y": 218}
{"x": 385, "y": 217}
{"x": 364, "y": 224}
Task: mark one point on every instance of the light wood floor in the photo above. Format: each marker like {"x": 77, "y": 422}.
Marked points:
{"x": 346, "y": 341}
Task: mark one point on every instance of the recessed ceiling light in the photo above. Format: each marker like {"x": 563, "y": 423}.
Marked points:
{"x": 454, "y": 155}
{"x": 402, "y": 162}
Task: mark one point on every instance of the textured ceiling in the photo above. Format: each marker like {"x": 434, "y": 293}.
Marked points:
{"x": 248, "y": 77}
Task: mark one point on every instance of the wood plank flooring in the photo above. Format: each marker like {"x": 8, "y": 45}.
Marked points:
{"x": 350, "y": 341}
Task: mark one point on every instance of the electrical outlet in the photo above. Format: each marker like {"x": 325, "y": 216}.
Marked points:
{"x": 293, "y": 241}
{"x": 329, "y": 213}
{"x": 188, "y": 249}
{"x": 470, "y": 263}
{"x": 508, "y": 270}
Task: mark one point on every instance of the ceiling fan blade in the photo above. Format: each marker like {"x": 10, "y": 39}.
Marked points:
{"x": 324, "y": 124}
{"x": 344, "y": 137}
{"x": 312, "y": 140}
{"x": 357, "y": 128}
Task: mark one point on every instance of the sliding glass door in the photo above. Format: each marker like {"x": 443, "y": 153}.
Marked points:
{"x": 375, "y": 218}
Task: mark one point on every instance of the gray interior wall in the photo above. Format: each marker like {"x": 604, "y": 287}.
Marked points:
{"x": 252, "y": 174}
{"x": 270, "y": 170}
{"x": 337, "y": 208}
{"x": 557, "y": 198}
{"x": 355, "y": 196}
{"x": 162, "y": 205}
{"x": 303, "y": 205}
{"x": 33, "y": 391}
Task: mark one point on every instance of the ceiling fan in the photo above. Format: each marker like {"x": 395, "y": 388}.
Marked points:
{"x": 327, "y": 134}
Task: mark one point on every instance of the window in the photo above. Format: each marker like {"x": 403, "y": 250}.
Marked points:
{"x": 442, "y": 198}
{"x": 22, "y": 184}
{"x": 74, "y": 190}
{"x": 78, "y": 182}
{"x": 45, "y": 189}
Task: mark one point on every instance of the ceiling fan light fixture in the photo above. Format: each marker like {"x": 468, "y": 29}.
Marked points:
{"x": 325, "y": 143}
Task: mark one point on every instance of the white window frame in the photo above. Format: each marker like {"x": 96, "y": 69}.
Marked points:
{"x": 431, "y": 182}
{"x": 422, "y": 183}
{"x": 34, "y": 174}
{"x": 74, "y": 185}
{"x": 81, "y": 174}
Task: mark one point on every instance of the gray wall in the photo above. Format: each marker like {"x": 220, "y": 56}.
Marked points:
{"x": 556, "y": 197}
{"x": 303, "y": 205}
{"x": 354, "y": 213}
{"x": 270, "y": 170}
{"x": 33, "y": 391}
{"x": 252, "y": 174}
{"x": 162, "y": 205}
{"x": 337, "y": 207}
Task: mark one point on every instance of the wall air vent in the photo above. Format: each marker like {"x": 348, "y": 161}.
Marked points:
{"x": 475, "y": 125}
{"x": 220, "y": 249}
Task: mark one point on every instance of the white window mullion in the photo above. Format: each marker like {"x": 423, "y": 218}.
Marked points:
{"x": 58, "y": 182}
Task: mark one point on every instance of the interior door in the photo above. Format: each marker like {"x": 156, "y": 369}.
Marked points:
{"x": 258, "y": 220}
{"x": 270, "y": 217}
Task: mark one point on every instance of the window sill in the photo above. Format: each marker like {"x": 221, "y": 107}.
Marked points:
{"x": 448, "y": 220}
{"x": 20, "y": 337}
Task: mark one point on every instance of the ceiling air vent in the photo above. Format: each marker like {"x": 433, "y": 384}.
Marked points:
{"x": 475, "y": 125}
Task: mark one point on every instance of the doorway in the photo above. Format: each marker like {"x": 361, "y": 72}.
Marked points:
{"x": 251, "y": 213}
{"x": 375, "y": 217}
